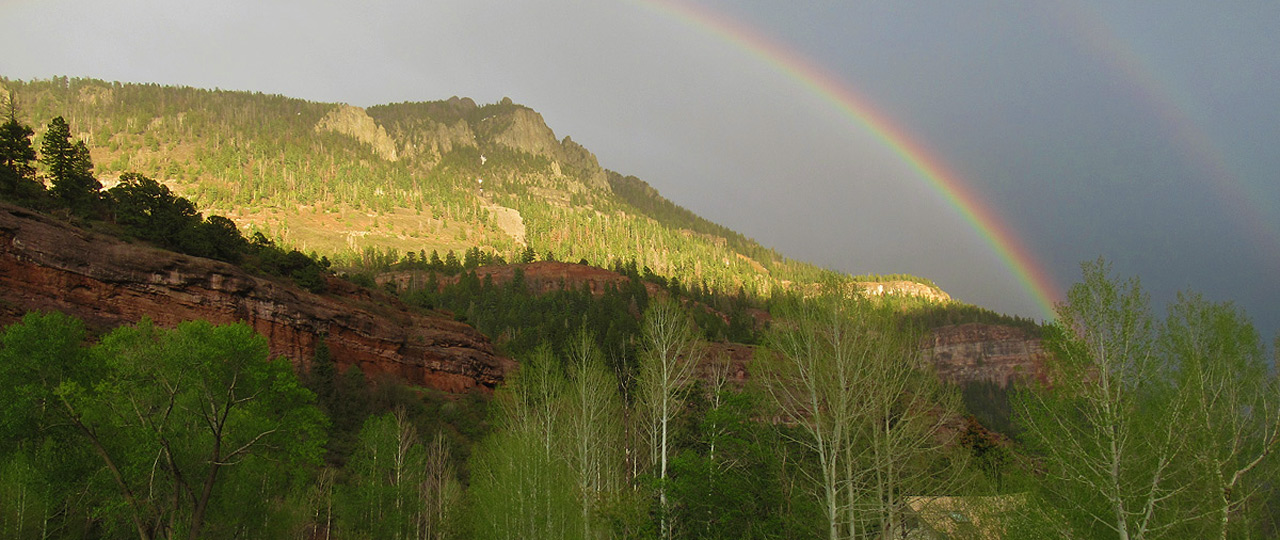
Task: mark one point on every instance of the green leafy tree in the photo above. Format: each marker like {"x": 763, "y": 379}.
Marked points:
{"x": 175, "y": 421}
{"x": 43, "y": 481}
{"x": 1232, "y": 421}
{"x": 728, "y": 482}
{"x": 593, "y": 430}
{"x": 402, "y": 488}
{"x": 849, "y": 380}
{"x": 150, "y": 210}
{"x": 219, "y": 238}
{"x": 987, "y": 451}
{"x": 670, "y": 353}
{"x": 1109, "y": 427}
{"x": 521, "y": 485}
{"x": 26, "y": 502}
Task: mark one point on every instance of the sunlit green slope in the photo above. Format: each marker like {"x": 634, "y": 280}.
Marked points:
{"x": 444, "y": 175}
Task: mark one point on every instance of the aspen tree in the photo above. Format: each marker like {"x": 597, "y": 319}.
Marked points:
{"x": 1108, "y": 426}
{"x": 838, "y": 369}
{"x": 1233, "y": 405}
{"x": 670, "y": 352}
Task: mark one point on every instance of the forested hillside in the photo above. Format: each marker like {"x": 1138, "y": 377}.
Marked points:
{"x": 445, "y": 175}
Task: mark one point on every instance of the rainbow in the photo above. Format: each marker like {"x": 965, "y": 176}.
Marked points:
{"x": 1097, "y": 37}
{"x": 1030, "y": 274}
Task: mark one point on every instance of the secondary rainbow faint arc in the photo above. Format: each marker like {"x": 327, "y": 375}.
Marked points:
{"x": 1097, "y": 36}
{"x": 1012, "y": 252}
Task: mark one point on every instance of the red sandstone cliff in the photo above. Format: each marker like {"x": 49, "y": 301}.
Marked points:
{"x": 960, "y": 354}
{"x": 983, "y": 352}
{"x": 48, "y": 265}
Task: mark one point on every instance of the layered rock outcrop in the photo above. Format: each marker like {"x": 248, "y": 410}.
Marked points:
{"x": 902, "y": 288}
{"x": 977, "y": 352}
{"x": 960, "y": 354}
{"x": 47, "y": 265}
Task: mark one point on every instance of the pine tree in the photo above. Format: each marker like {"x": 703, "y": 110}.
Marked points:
{"x": 70, "y": 167}
{"x": 451, "y": 264}
{"x": 17, "y": 175}
{"x": 57, "y": 151}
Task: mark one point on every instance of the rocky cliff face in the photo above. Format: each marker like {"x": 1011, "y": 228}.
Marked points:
{"x": 902, "y": 288}
{"x": 48, "y": 265}
{"x": 427, "y": 131}
{"x": 977, "y": 352}
{"x": 961, "y": 354}
{"x": 581, "y": 159}
{"x": 524, "y": 129}
{"x": 428, "y": 141}
{"x": 354, "y": 122}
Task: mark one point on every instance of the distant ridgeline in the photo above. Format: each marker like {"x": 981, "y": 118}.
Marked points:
{"x": 358, "y": 185}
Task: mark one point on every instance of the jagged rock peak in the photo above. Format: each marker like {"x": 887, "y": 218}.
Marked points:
{"x": 524, "y": 129}
{"x": 356, "y": 123}
{"x": 577, "y": 156}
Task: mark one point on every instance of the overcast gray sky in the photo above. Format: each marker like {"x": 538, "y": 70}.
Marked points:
{"x": 1142, "y": 132}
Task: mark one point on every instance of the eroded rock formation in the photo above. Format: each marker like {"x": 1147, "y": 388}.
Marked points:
{"x": 902, "y": 288}
{"x": 47, "y": 265}
{"x": 977, "y": 352}
{"x": 354, "y": 122}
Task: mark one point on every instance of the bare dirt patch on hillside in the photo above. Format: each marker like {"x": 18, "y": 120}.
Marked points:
{"x": 509, "y": 221}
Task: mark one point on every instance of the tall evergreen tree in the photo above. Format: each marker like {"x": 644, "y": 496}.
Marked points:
{"x": 57, "y": 150}
{"x": 70, "y": 167}
{"x": 17, "y": 174}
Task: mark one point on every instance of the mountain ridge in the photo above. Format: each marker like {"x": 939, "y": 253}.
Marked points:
{"x": 406, "y": 177}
